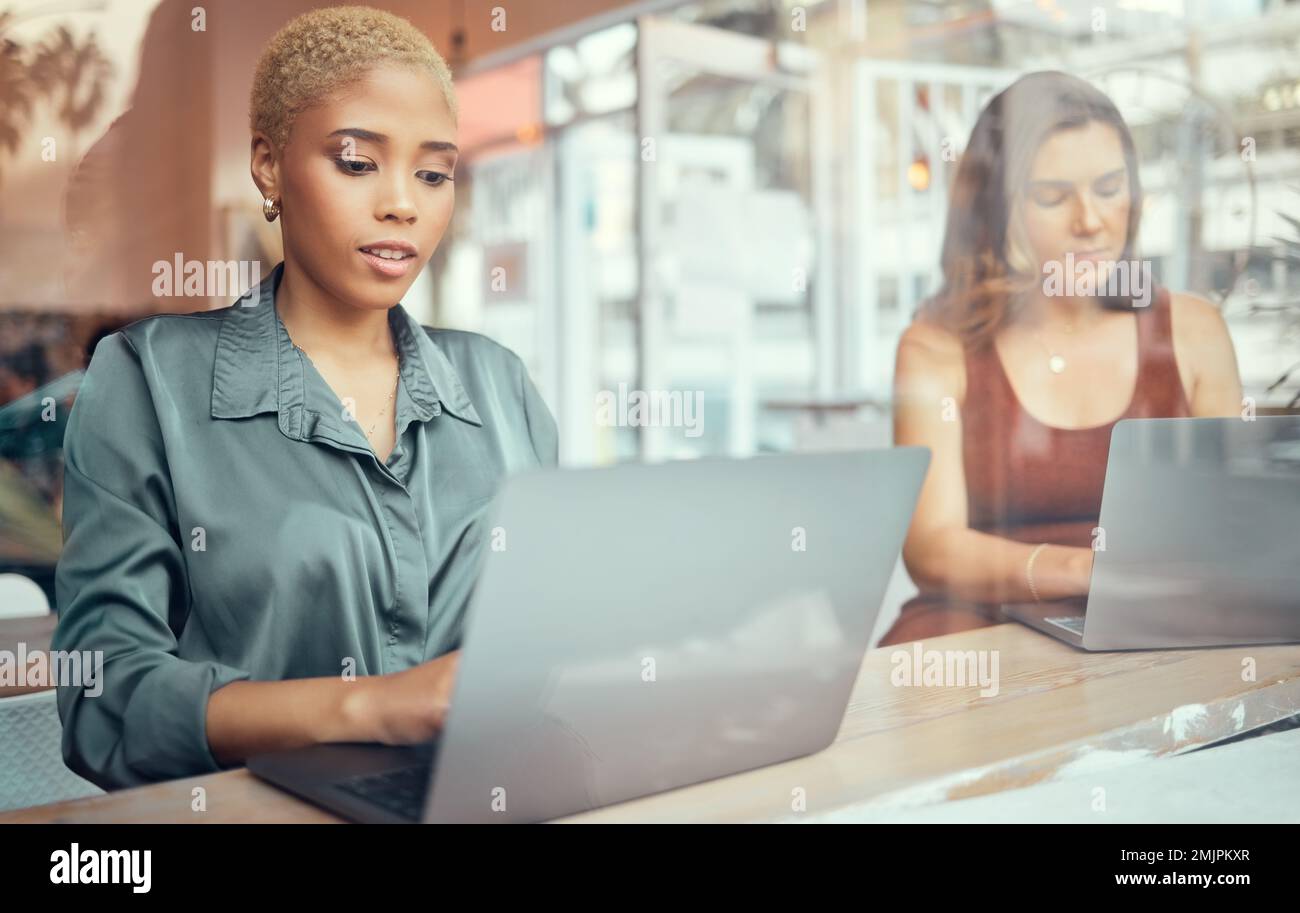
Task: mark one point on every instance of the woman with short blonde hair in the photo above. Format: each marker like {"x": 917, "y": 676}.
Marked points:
{"x": 273, "y": 510}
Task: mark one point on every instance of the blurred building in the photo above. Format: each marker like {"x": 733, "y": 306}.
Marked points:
{"x": 740, "y": 199}
{"x": 747, "y": 197}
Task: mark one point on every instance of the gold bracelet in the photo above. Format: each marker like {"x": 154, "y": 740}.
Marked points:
{"x": 1029, "y": 570}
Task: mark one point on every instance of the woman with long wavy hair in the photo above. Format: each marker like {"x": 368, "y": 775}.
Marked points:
{"x": 1047, "y": 330}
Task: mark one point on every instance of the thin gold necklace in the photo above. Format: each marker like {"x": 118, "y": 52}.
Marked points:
{"x": 1056, "y": 362}
{"x": 396, "y": 383}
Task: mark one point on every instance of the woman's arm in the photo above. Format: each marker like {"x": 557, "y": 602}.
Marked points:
{"x": 122, "y": 590}
{"x": 942, "y": 553}
{"x": 1203, "y": 349}
{"x": 247, "y": 718}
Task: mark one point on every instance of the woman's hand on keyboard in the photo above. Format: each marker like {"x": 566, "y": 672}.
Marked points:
{"x": 407, "y": 707}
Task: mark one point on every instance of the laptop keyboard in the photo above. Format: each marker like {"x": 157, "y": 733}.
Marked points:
{"x": 401, "y": 791}
{"x": 1071, "y": 623}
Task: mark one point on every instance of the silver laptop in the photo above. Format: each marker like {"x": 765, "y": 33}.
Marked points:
{"x": 645, "y": 627}
{"x": 1201, "y": 526}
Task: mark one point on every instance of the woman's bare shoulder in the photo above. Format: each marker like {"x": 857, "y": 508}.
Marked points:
{"x": 1195, "y": 316}
{"x": 1206, "y": 356}
{"x": 930, "y": 344}
{"x": 1199, "y": 329}
{"x": 929, "y": 351}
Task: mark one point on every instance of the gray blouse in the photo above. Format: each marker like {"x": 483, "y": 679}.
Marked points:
{"x": 225, "y": 519}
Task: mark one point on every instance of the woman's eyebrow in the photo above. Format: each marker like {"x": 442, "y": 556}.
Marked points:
{"x": 382, "y": 140}
{"x": 1111, "y": 174}
{"x": 1066, "y": 184}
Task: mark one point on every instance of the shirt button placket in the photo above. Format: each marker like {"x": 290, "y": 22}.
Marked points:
{"x": 410, "y": 608}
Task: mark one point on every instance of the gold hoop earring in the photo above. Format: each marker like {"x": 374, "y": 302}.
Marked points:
{"x": 270, "y": 208}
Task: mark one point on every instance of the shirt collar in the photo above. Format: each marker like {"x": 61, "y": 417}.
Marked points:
{"x": 257, "y": 370}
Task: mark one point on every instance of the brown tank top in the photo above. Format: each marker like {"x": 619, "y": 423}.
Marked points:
{"x": 1038, "y": 483}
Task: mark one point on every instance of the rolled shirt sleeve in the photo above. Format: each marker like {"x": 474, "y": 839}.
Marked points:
{"x": 122, "y": 590}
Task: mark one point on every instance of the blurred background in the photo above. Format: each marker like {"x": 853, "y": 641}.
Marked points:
{"x": 740, "y": 197}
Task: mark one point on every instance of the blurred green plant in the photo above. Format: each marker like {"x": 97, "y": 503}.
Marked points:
{"x": 1286, "y": 250}
{"x": 73, "y": 74}
{"x": 76, "y": 74}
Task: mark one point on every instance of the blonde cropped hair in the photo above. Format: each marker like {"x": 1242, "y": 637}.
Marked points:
{"x": 323, "y": 50}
